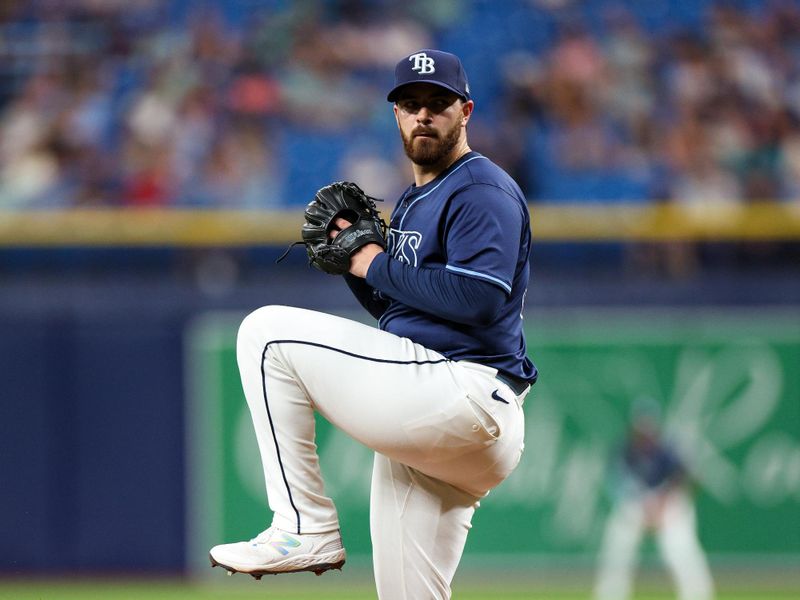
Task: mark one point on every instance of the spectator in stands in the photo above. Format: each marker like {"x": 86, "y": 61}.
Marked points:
{"x": 607, "y": 109}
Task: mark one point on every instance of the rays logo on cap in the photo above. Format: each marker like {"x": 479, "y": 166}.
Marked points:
{"x": 435, "y": 67}
{"x": 423, "y": 63}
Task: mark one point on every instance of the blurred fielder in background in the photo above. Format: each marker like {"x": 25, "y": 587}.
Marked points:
{"x": 437, "y": 391}
{"x": 652, "y": 495}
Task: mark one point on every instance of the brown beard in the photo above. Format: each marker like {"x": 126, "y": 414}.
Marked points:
{"x": 431, "y": 151}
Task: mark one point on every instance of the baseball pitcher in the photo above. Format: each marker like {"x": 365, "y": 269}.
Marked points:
{"x": 436, "y": 390}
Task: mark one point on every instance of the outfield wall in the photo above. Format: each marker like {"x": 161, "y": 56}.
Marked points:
{"x": 103, "y": 468}
{"x": 726, "y": 381}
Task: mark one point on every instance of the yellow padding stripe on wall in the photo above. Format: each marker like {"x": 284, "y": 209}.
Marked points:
{"x": 761, "y": 221}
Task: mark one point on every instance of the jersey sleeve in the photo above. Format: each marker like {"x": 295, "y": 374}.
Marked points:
{"x": 435, "y": 291}
{"x": 366, "y": 295}
{"x": 483, "y": 233}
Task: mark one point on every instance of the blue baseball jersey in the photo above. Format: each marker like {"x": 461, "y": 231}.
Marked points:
{"x": 652, "y": 465}
{"x": 473, "y": 221}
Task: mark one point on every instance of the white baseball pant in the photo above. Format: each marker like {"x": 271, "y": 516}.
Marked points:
{"x": 678, "y": 545}
{"x": 441, "y": 440}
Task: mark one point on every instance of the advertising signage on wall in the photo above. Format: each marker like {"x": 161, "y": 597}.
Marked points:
{"x": 725, "y": 387}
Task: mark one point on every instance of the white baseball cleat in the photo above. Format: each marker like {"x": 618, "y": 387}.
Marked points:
{"x": 276, "y": 551}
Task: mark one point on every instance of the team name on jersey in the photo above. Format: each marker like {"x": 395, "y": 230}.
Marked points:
{"x": 403, "y": 245}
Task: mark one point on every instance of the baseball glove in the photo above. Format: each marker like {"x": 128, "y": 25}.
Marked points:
{"x": 347, "y": 201}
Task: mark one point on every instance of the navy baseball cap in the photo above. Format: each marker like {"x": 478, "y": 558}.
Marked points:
{"x": 431, "y": 66}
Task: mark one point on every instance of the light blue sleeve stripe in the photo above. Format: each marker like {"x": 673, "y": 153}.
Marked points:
{"x": 499, "y": 282}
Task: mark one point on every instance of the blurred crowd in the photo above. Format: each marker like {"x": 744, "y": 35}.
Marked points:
{"x": 242, "y": 104}
{"x": 694, "y": 114}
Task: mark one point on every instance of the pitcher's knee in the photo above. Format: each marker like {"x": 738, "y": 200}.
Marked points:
{"x": 264, "y": 324}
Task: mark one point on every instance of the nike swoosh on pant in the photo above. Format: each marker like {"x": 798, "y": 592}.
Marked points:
{"x": 496, "y": 396}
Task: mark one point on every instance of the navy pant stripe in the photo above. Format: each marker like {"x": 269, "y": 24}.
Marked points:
{"x": 326, "y": 347}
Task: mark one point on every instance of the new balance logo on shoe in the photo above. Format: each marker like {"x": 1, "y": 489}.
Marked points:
{"x": 283, "y": 545}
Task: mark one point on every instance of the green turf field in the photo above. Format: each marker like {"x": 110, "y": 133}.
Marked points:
{"x": 300, "y": 589}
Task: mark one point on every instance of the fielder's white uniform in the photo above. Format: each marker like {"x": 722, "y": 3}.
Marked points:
{"x": 677, "y": 542}
{"x": 652, "y": 497}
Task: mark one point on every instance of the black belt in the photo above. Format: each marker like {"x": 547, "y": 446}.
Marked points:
{"x": 517, "y": 385}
